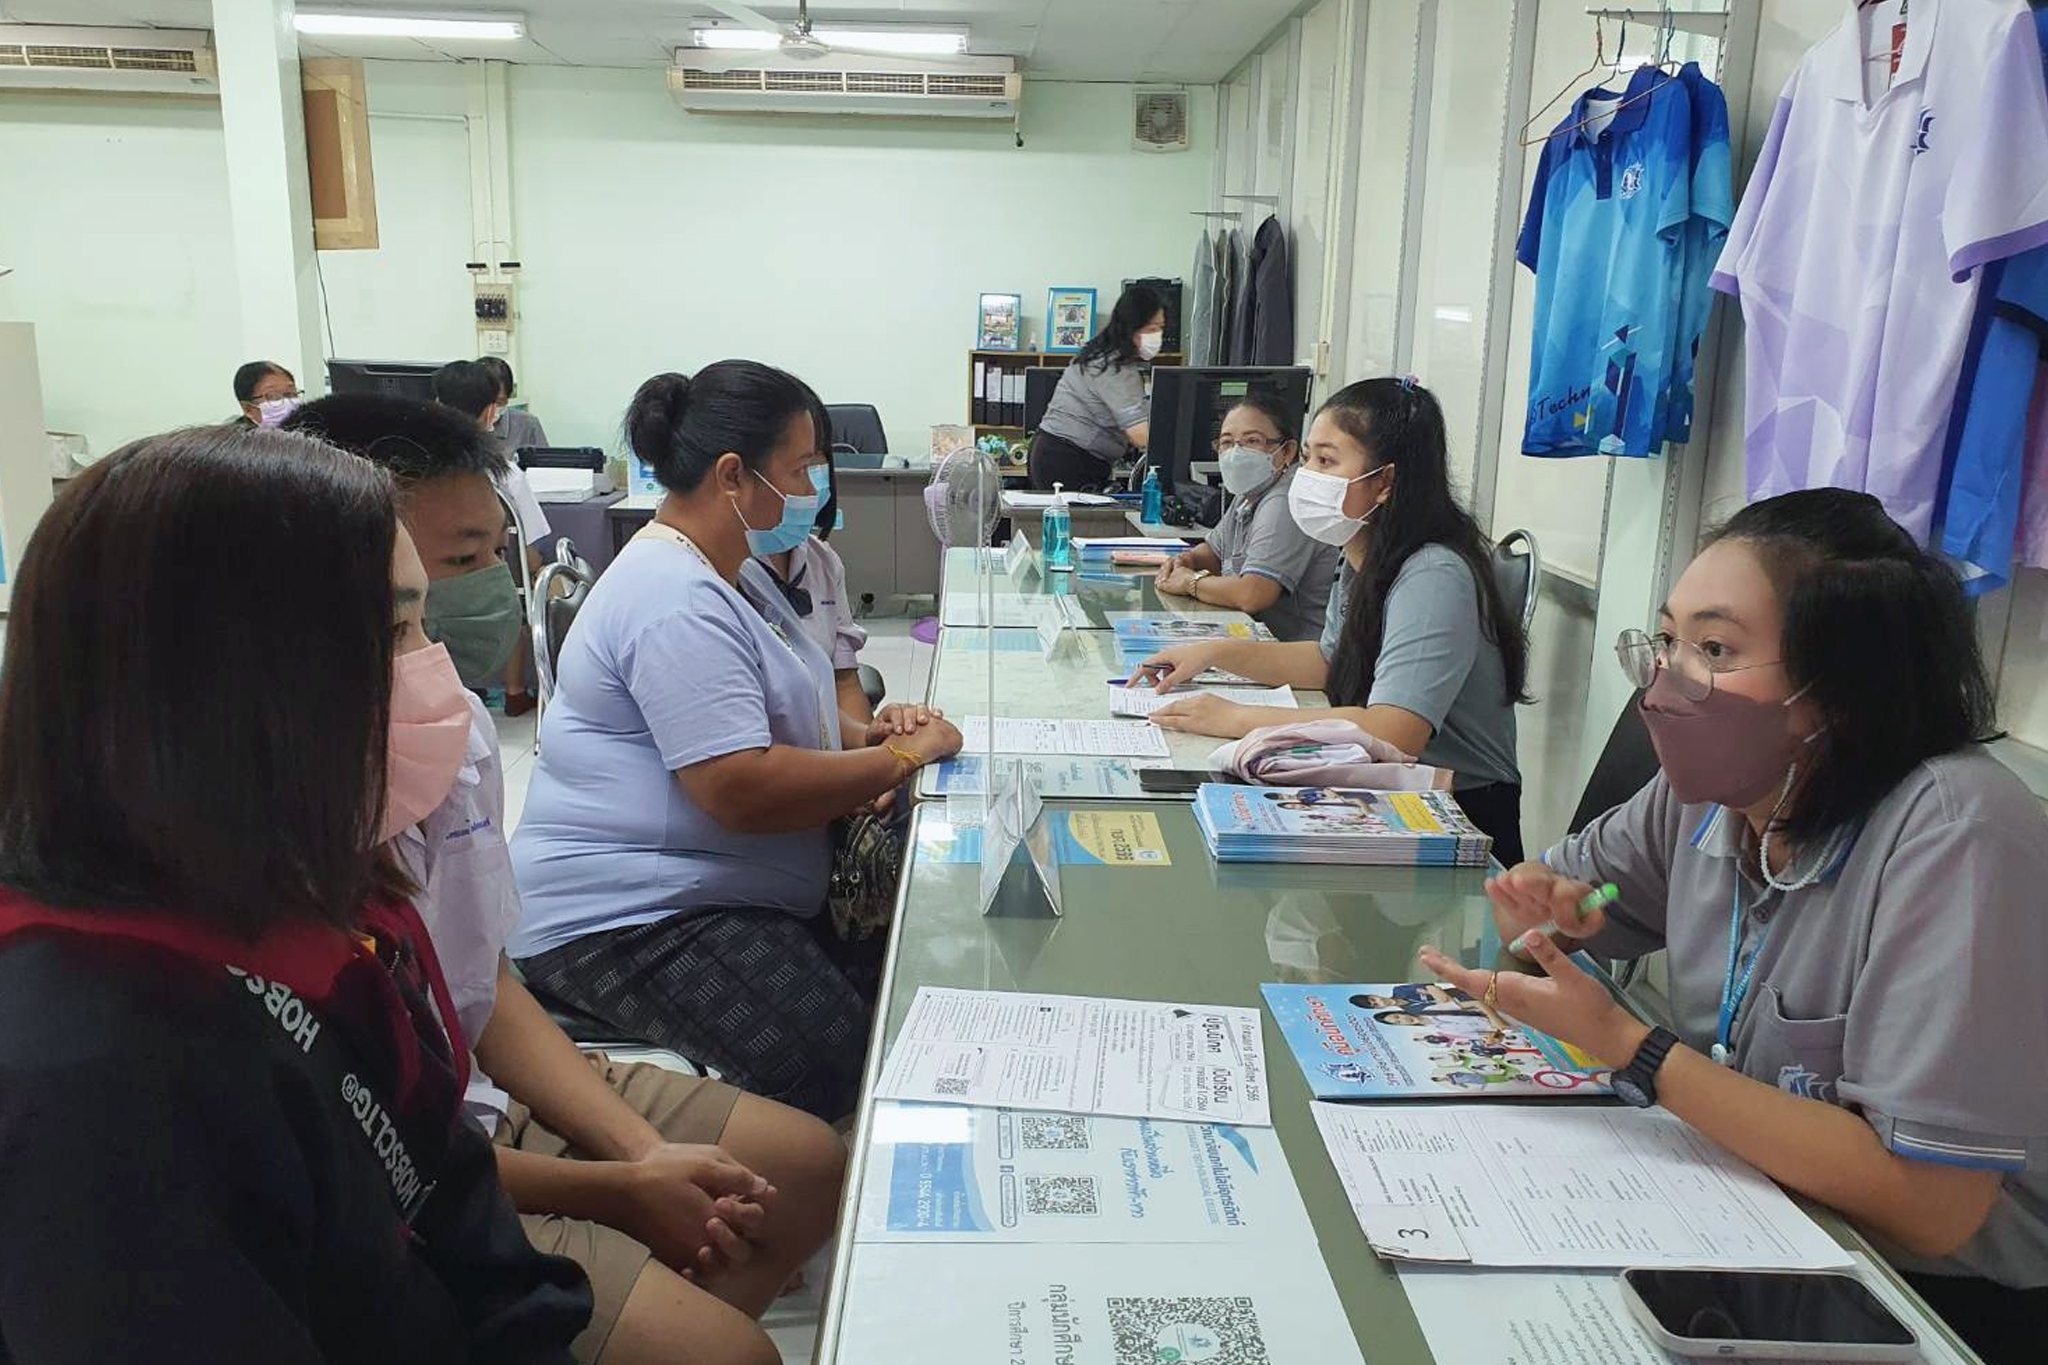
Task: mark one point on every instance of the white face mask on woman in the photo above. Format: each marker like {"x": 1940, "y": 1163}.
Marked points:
{"x": 1317, "y": 501}
{"x": 1149, "y": 344}
{"x": 1245, "y": 471}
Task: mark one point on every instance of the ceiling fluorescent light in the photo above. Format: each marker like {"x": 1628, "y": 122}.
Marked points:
{"x": 910, "y": 42}
{"x": 736, "y": 39}
{"x": 494, "y": 27}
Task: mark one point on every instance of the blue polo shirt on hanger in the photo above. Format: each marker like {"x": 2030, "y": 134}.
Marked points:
{"x": 1604, "y": 234}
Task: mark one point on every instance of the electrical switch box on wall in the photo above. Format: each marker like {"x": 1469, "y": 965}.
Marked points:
{"x": 494, "y": 317}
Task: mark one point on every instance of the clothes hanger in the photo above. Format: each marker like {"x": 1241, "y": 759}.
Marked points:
{"x": 1599, "y": 60}
{"x": 1608, "y": 111}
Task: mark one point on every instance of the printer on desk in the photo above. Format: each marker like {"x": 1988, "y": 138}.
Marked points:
{"x": 565, "y": 473}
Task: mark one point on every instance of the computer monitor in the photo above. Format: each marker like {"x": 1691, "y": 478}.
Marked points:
{"x": 393, "y": 378}
{"x": 1190, "y": 402}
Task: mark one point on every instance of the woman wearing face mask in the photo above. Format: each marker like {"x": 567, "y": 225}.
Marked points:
{"x": 1257, "y": 559}
{"x": 267, "y": 393}
{"x": 1418, "y": 645}
{"x": 674, "y": 851}
{"x": 1850, "y": 890}
{"x": 1099, "y": 409}
{"x": 230, "y": 1073}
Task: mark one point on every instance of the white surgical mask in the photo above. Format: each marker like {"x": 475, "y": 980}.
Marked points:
{"x": 1245, "y": 471}
{"x": 1149, "y": 344}
{"x": 271, "y": 412}
{"x": 1317, "y": 502}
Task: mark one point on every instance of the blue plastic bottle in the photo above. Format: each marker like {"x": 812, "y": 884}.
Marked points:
{"x": 1154, "y": 509}
{"x": 1056, "y": 533}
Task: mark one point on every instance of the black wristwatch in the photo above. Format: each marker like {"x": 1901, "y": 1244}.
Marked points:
{"x": 1636, "y": 1083}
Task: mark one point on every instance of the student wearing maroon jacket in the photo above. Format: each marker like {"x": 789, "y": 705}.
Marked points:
{"x": 230, "y": 1070}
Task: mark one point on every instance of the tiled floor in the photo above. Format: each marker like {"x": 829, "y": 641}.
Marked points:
{"x": 906, "y": 666}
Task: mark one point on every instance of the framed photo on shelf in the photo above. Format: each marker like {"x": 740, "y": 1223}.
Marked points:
{"x": 1002, "y": 323}
{"x": 1069, "y": 319}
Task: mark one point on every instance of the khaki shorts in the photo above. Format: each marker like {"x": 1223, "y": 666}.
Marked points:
{"x": 682, "y": 1109}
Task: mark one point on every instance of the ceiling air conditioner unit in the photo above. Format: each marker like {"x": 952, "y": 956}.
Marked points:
{"x": 52, "y": 57}
{"x": 718, "y": 82}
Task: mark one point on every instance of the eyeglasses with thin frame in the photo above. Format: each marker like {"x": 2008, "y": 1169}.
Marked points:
{"x": 1693, "y": 673}
{"x": 1265, "y": 445}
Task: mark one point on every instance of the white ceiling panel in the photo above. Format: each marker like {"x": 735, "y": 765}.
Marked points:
{"x": 1195, "y": 41}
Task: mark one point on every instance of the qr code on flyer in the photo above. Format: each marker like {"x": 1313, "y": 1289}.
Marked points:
{"x": 1071, "y": 1195}
{"x": 1186, "y": 1332}
{"x": 1054, "y": 1133}
{"x": 949, "y": 1085}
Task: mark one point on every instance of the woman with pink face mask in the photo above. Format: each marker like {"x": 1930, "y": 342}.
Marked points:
{"x": 230, "y": 1068}
{"x": 267, "y": 394}
{"x": 1850, "y": 891}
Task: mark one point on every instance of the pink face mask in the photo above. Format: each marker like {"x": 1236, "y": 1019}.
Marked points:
{"x": 1726, "y": 749}
{"x": 429, "y": 737}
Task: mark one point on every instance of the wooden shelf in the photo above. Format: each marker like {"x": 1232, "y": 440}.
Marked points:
{"x": 1012, "y": 364}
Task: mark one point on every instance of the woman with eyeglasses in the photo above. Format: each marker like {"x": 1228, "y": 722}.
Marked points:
{"x": 1419, "y": 646}
{"x": 1850, "y": 889}
{"x": 1258, "y": 560}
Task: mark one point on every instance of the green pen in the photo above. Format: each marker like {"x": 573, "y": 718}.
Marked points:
{"x": 1598, "y": 899}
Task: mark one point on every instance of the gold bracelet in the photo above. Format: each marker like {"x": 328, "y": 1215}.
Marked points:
{"x": 911, "y": 762}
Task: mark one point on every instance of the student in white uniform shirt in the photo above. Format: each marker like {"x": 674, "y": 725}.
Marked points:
{"x": 1258, "y": 560}
{"x": 471, "y": 388}
{"x": 812, "y": 579}
{"x": 641, "y": 1175}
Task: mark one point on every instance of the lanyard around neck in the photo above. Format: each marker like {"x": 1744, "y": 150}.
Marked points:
{"x": 1740, "y": 976}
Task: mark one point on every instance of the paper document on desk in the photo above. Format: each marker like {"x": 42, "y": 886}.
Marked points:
{"x": 1072, "y": 776}
{"x": 1081, "y": 1055}
{"x": 1051, "y": 738}
{"x": 1143, "y": 701}
{"x": 1026, "y": 502}
{"x": 1020, "y": 1304}
{"x": 1577, "y": 1315}
{"x": 956, "y": 1173}
{"x": 1512, "y": 1186}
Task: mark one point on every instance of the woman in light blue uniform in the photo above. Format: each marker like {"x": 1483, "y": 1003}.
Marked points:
{"x": 675, "y": 847}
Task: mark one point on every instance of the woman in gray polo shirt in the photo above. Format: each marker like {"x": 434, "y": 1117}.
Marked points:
{"x": 1099, "y": 410}
{"x": 1851, "y": 892}
{"x": 1257, "y": 559}
{"x": 1418, "y": 645}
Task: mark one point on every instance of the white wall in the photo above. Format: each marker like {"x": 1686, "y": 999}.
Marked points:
{"x": 115, "y": 221}
{"x": 848, "y": 252}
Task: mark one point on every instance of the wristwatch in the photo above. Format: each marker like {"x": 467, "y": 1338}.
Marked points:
{"x": 1200, "y": 574}
{"x": 1636, "y": 1083}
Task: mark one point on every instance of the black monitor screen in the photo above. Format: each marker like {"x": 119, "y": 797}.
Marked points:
{"x": 393, "y": 378}
{"x": 1189, "y": 405}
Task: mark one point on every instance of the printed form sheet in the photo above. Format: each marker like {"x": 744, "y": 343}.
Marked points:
{"x": 950, "y": 1173}
{"x": 1058, "y": 738}
{"x": 1081, "y": 1055}
{"x": 1528, "y": 1186}
{"x": 1017, "y": 1304}
{"x": 1575, "y": 1317}
{"x": 1143, "y": 701}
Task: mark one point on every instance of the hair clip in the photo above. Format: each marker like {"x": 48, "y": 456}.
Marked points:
{"x": 1408, "y": 382}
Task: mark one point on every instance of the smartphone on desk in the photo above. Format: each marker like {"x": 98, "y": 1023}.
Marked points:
{"x": 1766, "y": 1315}
{"x": 1174, "y": 781}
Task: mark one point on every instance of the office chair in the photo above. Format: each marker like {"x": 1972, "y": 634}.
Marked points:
{"x": 857, "y": 425}
{"x": 1520, "y": 575}
{"x": 1626, "y": 764}
{"x": 549, "y": 616}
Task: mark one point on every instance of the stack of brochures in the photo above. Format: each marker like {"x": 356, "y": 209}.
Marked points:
{"x": 1138, "y": 638}
{"x": 1100, "y": 550}
{"x": 1249, "y": 824}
